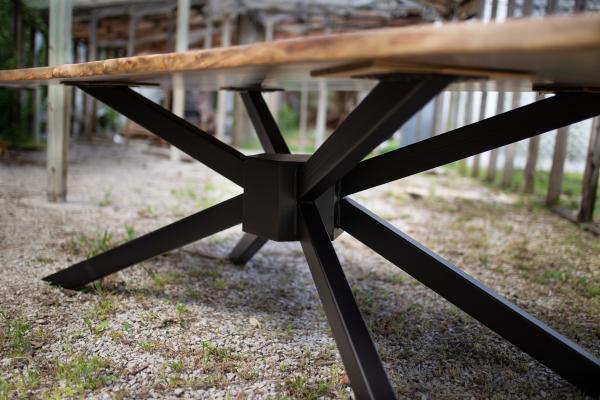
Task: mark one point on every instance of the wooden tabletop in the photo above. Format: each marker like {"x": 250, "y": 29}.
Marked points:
{"x": 562, "y": 51}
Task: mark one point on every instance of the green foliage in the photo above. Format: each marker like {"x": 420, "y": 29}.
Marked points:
{"x": 97, "y": 244}
{"x": 17, "y": 108}
{"x": 287, "y": 118}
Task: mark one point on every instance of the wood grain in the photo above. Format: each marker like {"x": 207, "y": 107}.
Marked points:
{"x": 563, "y": 49}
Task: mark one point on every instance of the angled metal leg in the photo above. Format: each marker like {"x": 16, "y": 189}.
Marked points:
{"x": 535, "y": 338}
{"x": 246, "y": 248}
{"x": 509, "y": 127}
{"x": 191, "y": 140}
{"x": 362, "y": 363}
{"x": 272, "y": 141}
{"x": 389, "y": 105}
{"x": 177, "y": 234}
{"x": 266, "y": 128}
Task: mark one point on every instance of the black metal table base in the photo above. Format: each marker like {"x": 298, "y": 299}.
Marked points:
{"x": 309, "y": 195}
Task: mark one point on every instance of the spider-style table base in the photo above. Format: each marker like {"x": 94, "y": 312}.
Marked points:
{"x": 305, "y": 198}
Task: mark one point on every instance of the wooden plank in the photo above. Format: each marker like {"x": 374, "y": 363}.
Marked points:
{"x": 477, "y": 157}
{"x": 558, "y": 164}
{"x": 58, "y": 101}
{"x": 490, "y": 175}
{"x": 589, "y": 184}
{"x": 222, "y": 96}
{"x": 181, "y": 44}
{"x": 544, "y": 48}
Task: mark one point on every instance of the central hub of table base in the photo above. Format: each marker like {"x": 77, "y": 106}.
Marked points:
{"x": 271, "y": 197}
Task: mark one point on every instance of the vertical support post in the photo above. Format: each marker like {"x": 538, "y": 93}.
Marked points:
{"x": 321, "y": 114}
{"x": 242, "y": 128}
{"x": 533, "y": 151}
{"x": 589, "y": 184}
{"x": 272, "y": 99}
{"x": 131, "y": 30}
{"x": 418, "y": 125}
{"x": 477, "y": 157}
{"x": 452, "y": 111}
{"x": 221, "y": 95}
{"x": 438, "y": 111}
{"x": 468, "y": 118}
{"x": 90, "y": 102}
{"x": 37, "y": 92}
{"x": 558, "y": 164}
{"x": 493, "y": 161}
{"x": 303, "y": 116}
{"x": 58, "y": 121}
{"x": 510, "y": 150}
{"x": 181, "y": 44}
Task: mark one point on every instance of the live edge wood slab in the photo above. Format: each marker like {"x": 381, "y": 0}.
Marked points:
{"x": 562, "y": 51}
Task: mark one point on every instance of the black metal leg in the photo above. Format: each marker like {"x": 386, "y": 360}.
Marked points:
{"x": 198, "y": 144}
{"x": 272, "y": 142}
{"x": 509, "y": 127}
{"x": 180, "y": 233}
{"x": 389, "y": 105}
{"x": 248, "y": 245}
{"x": 535, "y": 338}
{"x": 266, "y": 128}
{"x": 362, "y": 363}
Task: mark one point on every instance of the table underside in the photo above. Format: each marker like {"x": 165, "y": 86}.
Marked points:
{"x": 308, "y": 199}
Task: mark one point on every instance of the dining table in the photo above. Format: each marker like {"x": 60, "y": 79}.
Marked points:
{"x": 309, "y": 197}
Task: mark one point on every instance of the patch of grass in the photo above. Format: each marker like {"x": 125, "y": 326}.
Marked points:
{"x": 300, "y": 387}
{"x": 81, "y": 373}
{"x": 96, "y": 329}
{"x": 106, "y": 199}
{"x": 149, "y": 345}
{"x": 212, "y": 352}
{"x": 96, "y": 244}
{"x": 181, "y": 309}
{"x": 205, "y": 273}
{"x": 176, "y": 366}
{"x": 14, "y": 335}
{"x": 21, "y": 385}
{"x": 147, "y": 212}
{"x": 129, "y": 232}
{"x": 184, "y": 193}
{"x": 570, "y": 188}
{"x": 164, "y": 278}
{"x": 219, "y": 284}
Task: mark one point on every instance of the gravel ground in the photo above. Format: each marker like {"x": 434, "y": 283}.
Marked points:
{"x": 189, "y": 324}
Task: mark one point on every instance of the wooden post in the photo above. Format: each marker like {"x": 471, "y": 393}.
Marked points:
{"x": 222, "y": 95}
{"x": 58, "y": 126}
{"x": 242, "y": 127}
{"x": 468, "y": 117}
{"x": 510, "y": 150}
{"x": 477, "y": 157}
{"x": 533, "y": 151}
{"x": 321, "y": 113}
{"x": 131, "y": 30}
{"x": 490, "y": 175}
{"x": 273, "y": 99}
{"x": 303, "y": 116}
{"x": 589, "y": 184}
{"x": 438, "y": 111}
{"x": 90, "y": 102}
{"x": 418, "y": 124}
{"x": 37, "y": 93}
{"x": 452, "y": 111}
{"x": 558, "y": 164}
{"x": 181, "y": 44}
